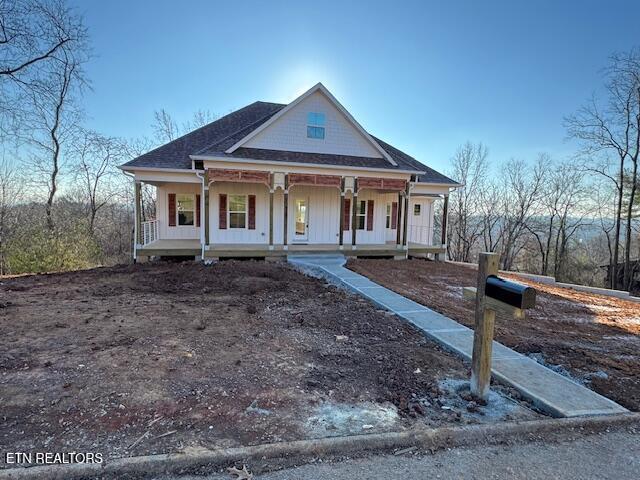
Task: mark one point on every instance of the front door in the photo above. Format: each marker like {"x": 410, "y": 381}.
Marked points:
{"x": 301, "y": 219}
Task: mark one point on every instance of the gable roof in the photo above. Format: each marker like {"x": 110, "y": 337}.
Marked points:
{"x": 316, "y": 88}
{"x": 175, "y": 154}
{"x": 216, "y": 138}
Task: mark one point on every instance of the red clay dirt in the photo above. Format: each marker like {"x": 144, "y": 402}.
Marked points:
{"x": 154, "y": 358}
{"x": 593, "y": 338}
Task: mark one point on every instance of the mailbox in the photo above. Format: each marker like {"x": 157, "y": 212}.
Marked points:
{"x": 511, "y": 293}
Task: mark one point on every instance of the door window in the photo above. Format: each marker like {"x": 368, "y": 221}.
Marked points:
{"x": 301, "y": 217}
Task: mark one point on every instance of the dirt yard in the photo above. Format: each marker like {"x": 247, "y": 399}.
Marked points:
{"x": 593, "y": 338}
{"x": 165, "y": 357}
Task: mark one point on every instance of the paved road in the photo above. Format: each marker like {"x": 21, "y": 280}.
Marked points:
{"x": 614, "y": 455}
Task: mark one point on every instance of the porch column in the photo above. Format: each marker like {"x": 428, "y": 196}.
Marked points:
{"x": 206, "y": 214}
{"x": 286, "y": 212}
{"x": 138, "y": 215}
{"x": 341, "y": 231}
{"x": 399, "y": 222}
{"x": 405, "y": 227}
{"x": 354, "y": 216}
{"x": 445, "y": 216}
{"x": 271, "y": 191}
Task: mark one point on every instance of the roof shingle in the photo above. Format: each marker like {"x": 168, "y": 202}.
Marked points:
{"x": 218, "y": 136}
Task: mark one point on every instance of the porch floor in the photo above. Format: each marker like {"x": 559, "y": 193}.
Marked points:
{"x": 193, "y": 248}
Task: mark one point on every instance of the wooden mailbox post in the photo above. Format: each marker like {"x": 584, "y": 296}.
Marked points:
{"x": 492, "y": 293}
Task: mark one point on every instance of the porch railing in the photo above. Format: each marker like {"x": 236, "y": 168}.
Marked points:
{"x": 421, "y": 234}
{"x": 149, "y": 231}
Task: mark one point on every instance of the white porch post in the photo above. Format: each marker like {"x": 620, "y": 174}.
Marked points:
{"x": 445, "y": 218}
{"x": 405, "y": 226}
{"x": 137, "y": 212}
{"x": 271, "y": 193}
{"x": 354, "y": 213}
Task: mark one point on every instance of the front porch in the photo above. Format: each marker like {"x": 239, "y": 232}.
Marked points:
{"x": 189, "y": 248}
{"x": 255, "y": 213}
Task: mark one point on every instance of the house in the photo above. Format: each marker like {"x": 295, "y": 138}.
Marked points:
{"x": 271, "y": 179}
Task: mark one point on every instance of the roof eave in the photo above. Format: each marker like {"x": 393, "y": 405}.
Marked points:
{"x": 301, "y": 164}
{"x": 133, "y": 168}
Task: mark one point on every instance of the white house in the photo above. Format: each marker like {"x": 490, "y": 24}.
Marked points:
{"x": 272, "y": 179}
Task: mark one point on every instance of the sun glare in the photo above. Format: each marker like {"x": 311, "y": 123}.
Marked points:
{"x": 294, "y": 82}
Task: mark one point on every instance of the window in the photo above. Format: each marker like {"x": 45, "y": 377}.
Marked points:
{"x": 315, "y": 125}
{"x": 388, "y": 223}
{"x": 186, "y": 205}
{"x": 237, "y": 211}
{"x": 416, "y": 209}
{"x": 361, "y": 215}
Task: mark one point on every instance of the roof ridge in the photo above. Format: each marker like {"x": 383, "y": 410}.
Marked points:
{"x": 241, "y": 129}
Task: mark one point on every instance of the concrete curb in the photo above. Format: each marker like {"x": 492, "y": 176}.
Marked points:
{"x": 426, "y": 438}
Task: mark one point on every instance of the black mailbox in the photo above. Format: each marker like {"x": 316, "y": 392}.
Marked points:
{"x": 511, "y": 293}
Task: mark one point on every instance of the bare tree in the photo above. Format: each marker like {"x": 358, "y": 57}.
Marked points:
{"x": 34, "y": 36}
{"x": 562, "y": 211}
{"x": 11, "y": 190}
{"x": 200, "y": 118}
{"x": 521, "y": 193}
{"x": 134, "y": 148}
{"x": 613, "y": 126}
{"x": 165, "y": 129}
{"x": 95, "y": 158}
{"x": 465, "y": 225}
{"x": 491, "y": 216}
{"x": 53, "y": 119}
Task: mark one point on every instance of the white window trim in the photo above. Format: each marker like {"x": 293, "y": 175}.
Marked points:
{"x": 358, "y": 214}
{"x": 389, "y": 216}
{"x": 246, "y": 211}
{"x": 323, "y": 127}
{"x": 195, "y": 209}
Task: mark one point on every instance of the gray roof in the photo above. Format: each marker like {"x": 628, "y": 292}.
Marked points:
{"x": 218, "y": 136}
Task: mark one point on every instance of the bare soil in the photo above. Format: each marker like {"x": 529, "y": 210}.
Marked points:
{"x": 153, "y": 358}
{"x": 593, "y": 338}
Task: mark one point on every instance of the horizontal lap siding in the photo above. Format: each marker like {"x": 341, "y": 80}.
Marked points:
{"x": 238, "y": 236}
{"x": 289, "y": 132}
{"x": 166, "y": 232}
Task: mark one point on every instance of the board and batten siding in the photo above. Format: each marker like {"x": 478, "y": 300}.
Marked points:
{"x": 323, "y": 211}
{"x": 289, "y": 132}
{"x": 420, "y": 226}
{"x": 179, "y": 232}
{"x": 323, "y": 214}
{"x": 259, "y": 235}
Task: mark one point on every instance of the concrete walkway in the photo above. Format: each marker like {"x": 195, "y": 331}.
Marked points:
{"x": 551, "y": 392}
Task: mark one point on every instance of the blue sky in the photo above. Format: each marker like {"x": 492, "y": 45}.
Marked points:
{"x": 424, "y": 76}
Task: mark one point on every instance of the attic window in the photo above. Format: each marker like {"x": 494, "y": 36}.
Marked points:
{"x": 315, "y": 125}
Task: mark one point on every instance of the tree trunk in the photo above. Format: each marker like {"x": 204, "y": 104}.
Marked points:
{"x": 627, "y": 246}
{"x": 616, "y": 245}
